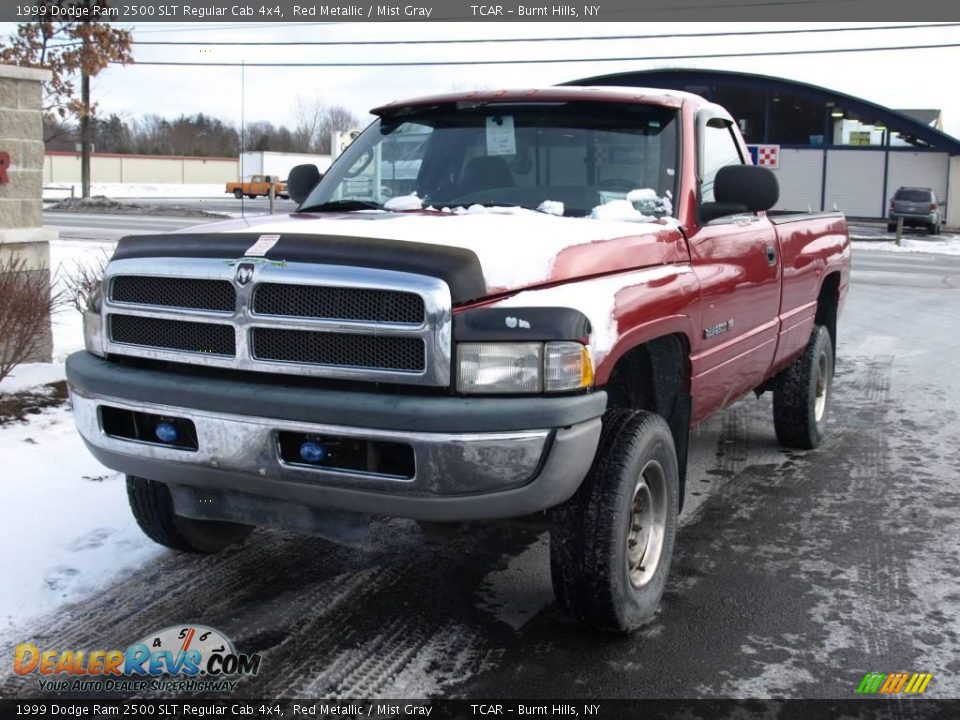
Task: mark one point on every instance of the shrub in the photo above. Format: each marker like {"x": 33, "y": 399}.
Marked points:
{"x": 81, "y": 280}
{"x": 26, "y": 303}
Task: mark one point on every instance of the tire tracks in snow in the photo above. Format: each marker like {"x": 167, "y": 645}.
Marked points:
{"x": 399, "y": 619}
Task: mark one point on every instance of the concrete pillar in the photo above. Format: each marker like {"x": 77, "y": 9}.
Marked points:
{"x": 21, "y": 176}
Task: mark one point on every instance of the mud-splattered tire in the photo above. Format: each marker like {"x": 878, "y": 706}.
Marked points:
{"x": 152, "y": 508}
{"x": 801, "y": 400}
{"x": 612, "y": 542}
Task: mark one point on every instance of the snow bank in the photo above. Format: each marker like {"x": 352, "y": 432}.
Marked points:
{"x": 68, "y": 516}
{"x": 58, "y": 191}
{"x": 943, "y": 246}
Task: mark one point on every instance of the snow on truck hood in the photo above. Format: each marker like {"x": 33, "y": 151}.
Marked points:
{"x": 517, "y": 248}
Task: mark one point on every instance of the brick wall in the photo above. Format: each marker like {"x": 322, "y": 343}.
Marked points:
{"x": 21, "y": 138}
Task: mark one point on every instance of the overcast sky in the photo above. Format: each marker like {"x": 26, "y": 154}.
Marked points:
{"x": 904, "y": 79}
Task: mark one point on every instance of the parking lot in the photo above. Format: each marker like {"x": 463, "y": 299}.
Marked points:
{"x": 795, "y": 572}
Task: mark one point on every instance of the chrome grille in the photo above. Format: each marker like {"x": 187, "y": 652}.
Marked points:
{"x": 216, "y": 295}
{"x": 181, "y": 335}
{"x": 293, "y": 318}
{"x": 338, "y": 303}
{"x": 404, "y": 354}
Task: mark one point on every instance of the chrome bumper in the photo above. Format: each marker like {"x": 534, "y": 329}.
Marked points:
{"x": 458, "y": 476}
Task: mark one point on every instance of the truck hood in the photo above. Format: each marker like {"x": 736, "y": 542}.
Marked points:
{"x": 516, "y": 248}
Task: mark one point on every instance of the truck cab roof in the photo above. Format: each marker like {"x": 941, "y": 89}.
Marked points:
{"x": 558, "y": 94}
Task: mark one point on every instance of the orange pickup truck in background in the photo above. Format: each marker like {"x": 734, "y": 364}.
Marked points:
{"x": 258, "y": 185}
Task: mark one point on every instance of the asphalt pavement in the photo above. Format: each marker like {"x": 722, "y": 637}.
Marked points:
{"x": 795, "y": 572}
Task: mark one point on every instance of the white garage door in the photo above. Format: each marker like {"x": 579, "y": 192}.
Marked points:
{"x": 917, "y": 169}
{"x": 801, "y": 178}
{"x": 855, "y": 182}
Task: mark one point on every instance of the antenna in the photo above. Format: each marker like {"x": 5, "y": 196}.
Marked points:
{"x": 243, "y": 83}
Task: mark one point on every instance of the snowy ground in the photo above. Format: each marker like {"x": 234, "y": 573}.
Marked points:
{"x": 62, "y": 553}
{"x": 938, "y": 245}
{"x": 58, "y": 191}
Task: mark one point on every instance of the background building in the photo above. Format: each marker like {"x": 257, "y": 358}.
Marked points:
{"x": 828, "y": 149}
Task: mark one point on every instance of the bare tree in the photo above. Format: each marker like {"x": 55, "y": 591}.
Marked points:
{"x": 336, "y": 118}
{"x": 24, "y": 313}
{"x": 79, "y": 282}
{"x": 70, "y": 49}
{"x": 308, "y": 118}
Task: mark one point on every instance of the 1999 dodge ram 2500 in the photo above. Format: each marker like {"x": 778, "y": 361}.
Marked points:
{"x": 493, "y": 304}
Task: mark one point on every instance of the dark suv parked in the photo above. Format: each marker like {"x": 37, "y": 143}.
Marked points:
{"x": 917, "y": 206}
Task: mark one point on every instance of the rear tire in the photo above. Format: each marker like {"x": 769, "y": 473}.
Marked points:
{"x": 891, "y": 227}
{"x": 152, "y": 508}
{"x": 802, "y": 398}
{"x": 934, "y": 229}
{"x": 252, "y": 196}
{"x": 612, "y": 542}
{"x": 238, "y": 194}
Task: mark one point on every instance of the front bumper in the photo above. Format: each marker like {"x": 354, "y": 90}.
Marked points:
{"x": 925, "y": 218}
{"x": 475, "y": 458}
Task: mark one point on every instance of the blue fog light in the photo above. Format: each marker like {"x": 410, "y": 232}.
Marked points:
{"x": 312, "y": 452}
{"x": 166, "y": 432}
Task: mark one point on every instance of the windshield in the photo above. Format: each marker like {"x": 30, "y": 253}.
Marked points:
{"x": 913, "y": 195}
{"x": 562, "y": 158}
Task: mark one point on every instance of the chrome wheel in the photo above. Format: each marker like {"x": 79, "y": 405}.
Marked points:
{"x": 648, "y": 516}
{"x": 823, "y": 387}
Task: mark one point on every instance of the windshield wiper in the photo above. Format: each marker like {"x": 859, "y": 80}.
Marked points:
{"x": 341, "y": 206}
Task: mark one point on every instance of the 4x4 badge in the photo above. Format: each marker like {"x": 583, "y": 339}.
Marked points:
{"x": 244, "y": 273}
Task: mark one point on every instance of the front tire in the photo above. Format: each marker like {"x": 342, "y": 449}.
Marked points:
{"x": 612, "y": 542}
{"x": 802, "y": 397}
{"x": 152, "y": 508}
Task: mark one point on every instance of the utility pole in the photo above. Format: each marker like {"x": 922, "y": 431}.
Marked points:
{"x": 85, "y": 118}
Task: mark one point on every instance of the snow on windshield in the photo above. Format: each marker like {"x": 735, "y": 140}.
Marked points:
{"x": 551, "y": 207}
{"x": 639, "y": 205}
{"x": 622, "y": 210}
{"x": 404, "y": 202}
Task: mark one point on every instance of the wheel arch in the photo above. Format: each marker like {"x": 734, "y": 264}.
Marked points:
{"x": 828, "y": 306}
{"x": 654, "y": 375}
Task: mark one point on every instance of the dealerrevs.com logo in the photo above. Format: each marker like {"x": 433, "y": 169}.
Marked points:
{"x": 190, "y": 658}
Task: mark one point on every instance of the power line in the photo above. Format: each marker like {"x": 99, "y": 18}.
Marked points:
{"x": 436, "y": 63}
{"x": 579, "y": 38}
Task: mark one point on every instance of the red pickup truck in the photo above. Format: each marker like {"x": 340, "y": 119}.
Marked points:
{"x": 494, "y": 304}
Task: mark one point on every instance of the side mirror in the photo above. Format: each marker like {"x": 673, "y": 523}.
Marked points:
{"x": 301, "y": 180}
{"x": 739, "y": 189}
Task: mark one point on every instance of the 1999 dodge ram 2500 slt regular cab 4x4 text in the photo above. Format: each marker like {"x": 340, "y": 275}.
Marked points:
{"x": 493, "y": 304}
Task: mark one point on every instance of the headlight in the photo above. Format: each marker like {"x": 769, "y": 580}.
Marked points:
{"x": 93, "y": 323}
{"x": 529, "y": 367}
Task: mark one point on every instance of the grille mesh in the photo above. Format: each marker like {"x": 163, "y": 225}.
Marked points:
{"x": 339, "y": 349}
{"x": 217, "y": 295}
{"x": 196, "y": 337}
{"x": 335, "y": 303}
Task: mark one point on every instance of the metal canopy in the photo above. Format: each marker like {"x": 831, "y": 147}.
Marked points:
{"x": 678, "y": 78}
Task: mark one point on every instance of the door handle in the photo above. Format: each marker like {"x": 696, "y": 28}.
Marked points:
{"x": 771, "y": 255}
